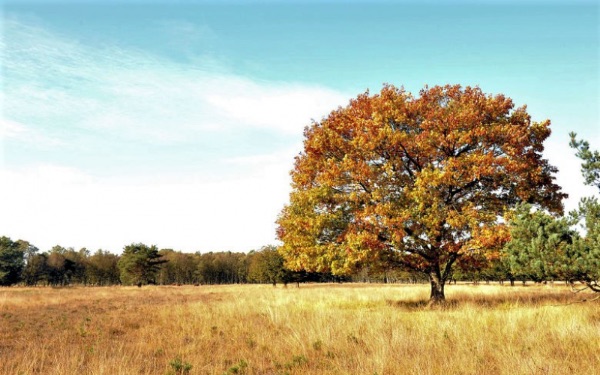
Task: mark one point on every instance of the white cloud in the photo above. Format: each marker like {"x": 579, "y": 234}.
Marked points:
{"x": 286, "y": 109}
{"x": 11, "y": 129}
{"x": 51, "y": 205}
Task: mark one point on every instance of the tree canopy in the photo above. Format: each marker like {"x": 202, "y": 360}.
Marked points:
{"x": 416, "y": 182}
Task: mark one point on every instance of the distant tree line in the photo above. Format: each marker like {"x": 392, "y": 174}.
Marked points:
{"x": 21, "y": 263}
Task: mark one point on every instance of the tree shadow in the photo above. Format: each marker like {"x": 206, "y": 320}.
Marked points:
{"x": 408, "y": 305}
{"x": 504, "y": 300}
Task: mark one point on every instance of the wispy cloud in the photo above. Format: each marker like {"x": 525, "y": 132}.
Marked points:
{"x": 285, "y": 109}
{"x": 189, "y": 39}
{"x": 129, "y": 94}
{"x": 14, "y": 131}
{"x": 11, "y": 129}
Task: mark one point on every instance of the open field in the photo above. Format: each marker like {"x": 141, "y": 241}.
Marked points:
{"x": 314, "y": 329}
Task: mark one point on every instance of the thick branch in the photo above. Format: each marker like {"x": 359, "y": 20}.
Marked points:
{"x": 448, "y": 267}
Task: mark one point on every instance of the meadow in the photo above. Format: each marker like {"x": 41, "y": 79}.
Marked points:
{"x": 313, "y": 329}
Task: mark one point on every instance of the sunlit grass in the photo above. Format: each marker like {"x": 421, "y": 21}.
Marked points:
{"x": 314, "y": 329}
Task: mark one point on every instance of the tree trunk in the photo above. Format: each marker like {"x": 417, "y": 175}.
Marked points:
{"x": 437, "y": 288}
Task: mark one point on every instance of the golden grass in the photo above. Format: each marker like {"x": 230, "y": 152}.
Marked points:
{"x": 314, "y": 329}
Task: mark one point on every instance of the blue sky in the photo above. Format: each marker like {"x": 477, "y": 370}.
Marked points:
{"x": 176, "y": 124}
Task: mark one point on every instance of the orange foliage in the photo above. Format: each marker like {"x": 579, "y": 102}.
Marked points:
{"x": 413, "y": 181}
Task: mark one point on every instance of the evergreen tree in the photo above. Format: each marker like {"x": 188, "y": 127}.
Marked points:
{"x": 11, "y": 261}
{"x": 590, "y": 166}
{"x": 540, "y": 245}
{"x": 139, "y": 264}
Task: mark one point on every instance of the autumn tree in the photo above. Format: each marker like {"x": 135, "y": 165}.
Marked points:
{"x": 139, "y": 264}
{"x": 415, "y": 182}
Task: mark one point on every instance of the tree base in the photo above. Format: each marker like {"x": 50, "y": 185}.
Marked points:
{"x": 436, "y": 302}
{"x": 437, "y": 297}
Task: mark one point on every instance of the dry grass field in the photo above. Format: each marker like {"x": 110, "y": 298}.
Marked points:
{"x": 314, "y": 329}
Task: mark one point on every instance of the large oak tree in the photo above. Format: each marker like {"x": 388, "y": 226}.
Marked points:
{"x": 415, "y": 182}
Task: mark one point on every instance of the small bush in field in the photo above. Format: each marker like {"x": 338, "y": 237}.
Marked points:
{"x": 180, "y": 367}
{"x": 317, "y": 345}
{"x": 240, "y": 368}
{"x": 297, "y": 360}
